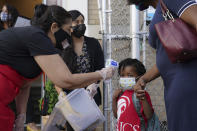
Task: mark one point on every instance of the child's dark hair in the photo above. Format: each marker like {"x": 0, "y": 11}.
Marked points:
{"x": 140, "y": 68}
{"x": 52, "y": 14}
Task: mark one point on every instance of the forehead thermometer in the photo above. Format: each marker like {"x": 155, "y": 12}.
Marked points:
{"x": 111, "y": 63}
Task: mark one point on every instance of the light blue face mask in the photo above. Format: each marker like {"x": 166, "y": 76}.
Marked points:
{"x": 5, "y": 17}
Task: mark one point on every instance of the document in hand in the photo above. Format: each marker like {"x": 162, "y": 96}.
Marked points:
{"x": 22, "y": 22}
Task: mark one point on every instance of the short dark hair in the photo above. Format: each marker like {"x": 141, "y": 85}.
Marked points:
{"x": 52, "y": 14}
{"x": 140, "y": 68}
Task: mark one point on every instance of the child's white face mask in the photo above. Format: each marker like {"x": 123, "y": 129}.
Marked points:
{"x": 127, "y": 83}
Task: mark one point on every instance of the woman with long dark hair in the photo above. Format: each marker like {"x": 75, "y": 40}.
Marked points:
{"x": 8, "y": 17}
{"x": 85, "y": 53}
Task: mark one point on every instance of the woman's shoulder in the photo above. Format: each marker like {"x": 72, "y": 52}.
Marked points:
{"x": 27, "y": 33}
{"x": 33, "y": 29}
{"x": 177, "y": 7}
{"x": 24, "y": 31}
{"x": 91, "y": 40}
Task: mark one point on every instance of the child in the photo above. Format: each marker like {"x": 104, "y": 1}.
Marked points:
{"x": 132, "y": 113}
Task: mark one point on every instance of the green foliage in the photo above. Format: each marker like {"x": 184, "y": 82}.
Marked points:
{"x": 51, "y": 95}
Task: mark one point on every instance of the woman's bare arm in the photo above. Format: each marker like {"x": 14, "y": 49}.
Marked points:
{"x": 190, "y": 16}
{"x": 22, "y": 99}
{"x": 57, "y": 71}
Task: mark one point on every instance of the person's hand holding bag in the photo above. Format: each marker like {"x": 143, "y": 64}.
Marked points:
{"x": 92, "y": 89}
{"x": 19, "y": 122}
{"x": 107, "y": 72}
{"x": 61, "y": 96}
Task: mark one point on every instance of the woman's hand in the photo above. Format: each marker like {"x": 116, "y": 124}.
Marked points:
{"x": 92, "y": 89}
{"x": 61, "y": 96}
{"x": 19, "y": 122}
{"x": 140, "y": 85}
{"x": 107, "y": 72}
{"x": 150, "y": 75}
{"x": 58, "y": 72}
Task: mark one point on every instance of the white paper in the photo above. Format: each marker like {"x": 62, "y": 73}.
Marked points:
{"x": 22, "y": 22}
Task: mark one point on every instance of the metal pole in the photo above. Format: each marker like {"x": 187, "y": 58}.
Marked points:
{"x": 134, "y": 13}
{"x": 42, "y": 83}
{"x": 105, "y": 89}
{"x": 99, "y": 2}
{"x": 135, "y": 36}
{"x": 109, "y": 11}
{"x": 110, "y": 93}
{"x": 42, "y": 95}
{"x": 144, "y": 39}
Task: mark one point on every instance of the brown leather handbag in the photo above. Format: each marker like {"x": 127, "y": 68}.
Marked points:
{"x": 177, "y": 37}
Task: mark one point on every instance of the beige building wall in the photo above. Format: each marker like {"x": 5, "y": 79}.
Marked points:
{"x": 93, "y": 16}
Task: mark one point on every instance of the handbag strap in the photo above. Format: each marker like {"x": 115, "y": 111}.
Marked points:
{"x": 164, "y": 8}
{"x": 166, "y": 13}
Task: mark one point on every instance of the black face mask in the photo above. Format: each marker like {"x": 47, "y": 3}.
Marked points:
{"x": 79, "y": 30}
{"x": 60, "y": 36}
{"x": 141, "y": 6}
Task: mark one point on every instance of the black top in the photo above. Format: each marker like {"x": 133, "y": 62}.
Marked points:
{"x": 95, "y": 53}
{"x": 19, "y": 45}
{"x": 1, "y": 26}
{"x": 96, "y": 60}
